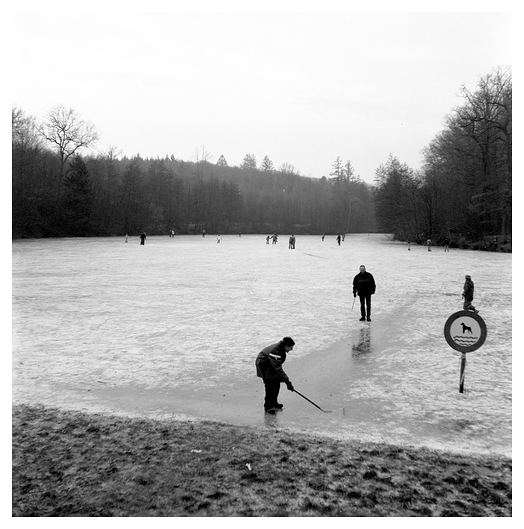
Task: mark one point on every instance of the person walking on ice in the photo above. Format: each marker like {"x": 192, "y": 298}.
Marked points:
{"x": 268, "y": 364}
{"x": 469, "y": 288}
{"x": 364, "y": 286}
{"x": 142, "y": 238}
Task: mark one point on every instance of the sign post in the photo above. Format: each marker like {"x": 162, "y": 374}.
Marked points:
{"x": 462, "y": 372}
{"x": 465, "y": 331}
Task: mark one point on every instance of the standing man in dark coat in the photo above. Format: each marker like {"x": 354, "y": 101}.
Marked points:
{"x": 269, "y": 368}
{"x": 142, "y": 238}
{"x": 467, "y": 294}
{"x": 364, "y": 286}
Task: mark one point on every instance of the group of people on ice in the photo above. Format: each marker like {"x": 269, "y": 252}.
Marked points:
{"x": 269, "y": 361}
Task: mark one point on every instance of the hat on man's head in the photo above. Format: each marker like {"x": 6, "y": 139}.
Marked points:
{"x": 468, "y": 277}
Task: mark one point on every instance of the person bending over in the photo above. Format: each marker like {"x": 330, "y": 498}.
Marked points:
{"x": 269, "y": 368}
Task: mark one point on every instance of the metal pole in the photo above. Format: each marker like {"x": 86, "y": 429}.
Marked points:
{"x": 316, "y": 405}
{"x": 462, "y": 372}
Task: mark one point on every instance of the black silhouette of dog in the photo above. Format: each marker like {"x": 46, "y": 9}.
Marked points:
{"x": 466, "y": 328}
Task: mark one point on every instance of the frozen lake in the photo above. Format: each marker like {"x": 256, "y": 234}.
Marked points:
{"x": 172, "y": 328}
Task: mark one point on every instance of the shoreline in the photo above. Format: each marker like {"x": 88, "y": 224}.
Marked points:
{"x": 80, "y": 464}
{"x": 239, "y": 403}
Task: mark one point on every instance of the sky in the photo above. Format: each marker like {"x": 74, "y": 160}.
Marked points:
{"x": 301, "y": 86}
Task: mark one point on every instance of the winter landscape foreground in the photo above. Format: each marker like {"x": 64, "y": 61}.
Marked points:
{"x": 171, "y": 329}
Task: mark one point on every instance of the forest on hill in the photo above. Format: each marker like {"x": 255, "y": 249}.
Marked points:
{"x": 462, "y": 191}
{"x": 58, "y": 192}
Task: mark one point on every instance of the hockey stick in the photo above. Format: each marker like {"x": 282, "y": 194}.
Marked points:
{"x": 325, "y": 411}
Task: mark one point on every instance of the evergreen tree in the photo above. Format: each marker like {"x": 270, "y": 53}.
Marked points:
{"x": 249, "y": 162}
{"x": 77, "y": 200}
{"x": 221, "y": 162}
{"x": 267, "y": 165}
{"x": 395, "y": 199}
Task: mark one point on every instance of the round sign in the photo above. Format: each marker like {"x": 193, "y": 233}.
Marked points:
{"x": 465, "y": 331}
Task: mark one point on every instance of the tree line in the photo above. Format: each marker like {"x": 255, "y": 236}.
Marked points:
{"x": 463, "y": 192}
{"x": 58, "y": 192}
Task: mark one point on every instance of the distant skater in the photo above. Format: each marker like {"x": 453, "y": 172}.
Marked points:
{"x": 338, "y": 240}
{"x": 429, "y": 245}
{"x": 409, "y": 244}
{"x": 218, "y": 239}
{"x": 203, "y": 233}
{"x": 292, "y": 242}
{"x": 323, "y": 238}
{"x": 269, "y": 368}
{"x": 446, "y": 244}
{"x": 126, "y": 237}
{"x": 142, "y": 238}
{"x": 364, "y": 286}
{"x": 267, "y": 239}
{"x": 467, "y": 294}
{"x": 275, "y": 238}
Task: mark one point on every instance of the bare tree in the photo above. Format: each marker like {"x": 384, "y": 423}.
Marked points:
{"x": 67, "y": 133}
{"x": 202, "y": 158}
{"x": 24, "y": 131}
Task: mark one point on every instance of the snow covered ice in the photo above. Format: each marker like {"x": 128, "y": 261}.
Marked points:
{"x": 172, "y": 328}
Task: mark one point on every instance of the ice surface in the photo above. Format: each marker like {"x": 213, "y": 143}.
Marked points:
{"x": 172, "y": 328}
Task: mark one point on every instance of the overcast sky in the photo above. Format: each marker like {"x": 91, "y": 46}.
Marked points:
{"x": 299, "y": 87}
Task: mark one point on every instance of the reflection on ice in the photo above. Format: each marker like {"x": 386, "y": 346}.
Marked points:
{"x": 364, "y": 342}
{"x": 270, "y": 420}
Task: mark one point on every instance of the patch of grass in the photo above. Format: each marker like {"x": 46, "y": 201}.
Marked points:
{"x": 75, "y": 464}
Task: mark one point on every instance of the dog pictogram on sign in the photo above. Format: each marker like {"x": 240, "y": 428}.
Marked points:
{"x": 465, "y": 331}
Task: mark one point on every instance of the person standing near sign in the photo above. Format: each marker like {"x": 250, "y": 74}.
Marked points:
{"x": 364, "y": 286}
{"x": 469, "y": 288}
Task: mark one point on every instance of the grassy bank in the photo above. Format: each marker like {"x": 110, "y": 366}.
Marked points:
{"x": 74, "y": 464}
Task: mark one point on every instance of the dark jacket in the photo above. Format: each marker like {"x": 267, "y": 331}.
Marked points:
{"x": 269, "y": 363}
{"x": 469, "y": 288}
{"x": 363, "y": 284}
